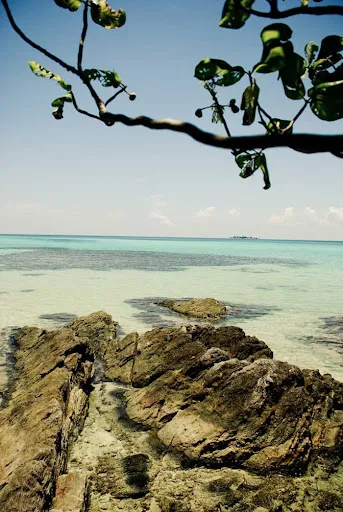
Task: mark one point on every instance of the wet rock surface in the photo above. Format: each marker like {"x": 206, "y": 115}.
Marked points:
{"x": 197, "y": 308}
{"x": 198, "y": 419}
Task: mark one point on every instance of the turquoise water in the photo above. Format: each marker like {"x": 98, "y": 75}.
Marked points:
{"x": 288, "y": 293}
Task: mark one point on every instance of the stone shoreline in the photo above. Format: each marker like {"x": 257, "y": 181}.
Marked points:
{"x": 184, "y": 419}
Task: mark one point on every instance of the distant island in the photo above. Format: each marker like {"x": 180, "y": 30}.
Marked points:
{"x": 245, "y": 237}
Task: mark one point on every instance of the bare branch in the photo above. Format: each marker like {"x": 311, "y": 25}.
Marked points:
{"x": 33, "y": 44}
{"x": 306, "y": 143}
{"x": 83, "y": 38}
{"x": 316, "y": 11}
{"x": 300, "y": 111}
{"x": 123, "y": 89}
{"x": 84, "y": 112}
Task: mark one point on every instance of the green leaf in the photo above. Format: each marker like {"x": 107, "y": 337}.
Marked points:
{"x": 243, "y": 160}
{"x": 304, "y": 3}
{"x": 264, "y": 169}
{"x": 291, "y": 75}
{"x": 59, "y": 104}
{"x": 327, "y": 100}
{"x": 279, "y": 126}
{"x": 275, "y": 32}
{"x": 60, "y": 101}
{"x": 330, "y": 45}
{"x": 326, "y": 63}
{"x": 110, "y": 79}
{"x": 71, "y": 5}
{"x": 310, "y": 50}
{"x": 103, "y": 14}
{"x": 326, "y": 70}
{"x": 235, "y": 13}
{"x": 92, "y": 74}
{"x": 42, "y": 72}
{"x": 276, "y": 48}
{"x": 249, "y": 163}
{"x": 105, "y": 77}
{"x": 249, "y": 103}
{"x": 208, "y": 69}
{"x": 231, "y": 76}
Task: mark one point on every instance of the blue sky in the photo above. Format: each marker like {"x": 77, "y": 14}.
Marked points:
{"x": 76, "y": 176}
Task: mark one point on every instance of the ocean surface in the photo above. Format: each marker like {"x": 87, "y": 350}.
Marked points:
{"x": 288, "y": 293}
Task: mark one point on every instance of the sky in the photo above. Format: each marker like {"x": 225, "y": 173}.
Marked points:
{"x": 77, "y": 176}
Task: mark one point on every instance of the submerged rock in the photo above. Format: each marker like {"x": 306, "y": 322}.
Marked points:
{"x": 197, "y": 308}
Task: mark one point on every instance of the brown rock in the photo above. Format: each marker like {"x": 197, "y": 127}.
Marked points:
{"x": 141, "y": 359}
{"x": 71, "y": 493}
{"x": 197, "y": 308}
{"x": 47, "y": 409}
{"x": 100, "y": 330}
{"x": 219, "y": 405}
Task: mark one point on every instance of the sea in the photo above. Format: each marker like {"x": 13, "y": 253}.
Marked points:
{"x": 287, "y": 293}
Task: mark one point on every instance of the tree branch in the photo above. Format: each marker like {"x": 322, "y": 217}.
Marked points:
{"x": 123, "y": 89}
{"x": 83, "y": 38}
{"x": 316, "y": 11}
{"x": 84, "y": 112}
{"x": 306, "y": 143}
{"x": 33, "y": 44}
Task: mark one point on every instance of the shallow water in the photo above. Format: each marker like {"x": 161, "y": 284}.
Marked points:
{"x": 288, "y": 293}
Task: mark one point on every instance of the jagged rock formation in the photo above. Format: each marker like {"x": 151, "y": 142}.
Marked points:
{"x": 197, "y": 308}
{"x": 216, "y": 396}
{"x": 46, "y": 410}
{"x": 199, "y": 420}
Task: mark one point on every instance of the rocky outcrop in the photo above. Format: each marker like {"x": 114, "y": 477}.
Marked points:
{"x": 218, "y": 397}
{"x": 197, "y": 308}
{"x": 47, "y": 409}
{"x": 139, "y": 360}
{"x": 199, "y": 420}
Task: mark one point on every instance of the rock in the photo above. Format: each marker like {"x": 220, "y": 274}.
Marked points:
{"x": 217, "y": 397}
{"x": 71, "y": 493}
{"x": 197, "y": 308}
{"x": 47, "y": 409}
{"x": 126, "y": 478}
{"x": 100, "y": 330}
{"x": 211, "y": 423}
{"x": 141, "y": 359}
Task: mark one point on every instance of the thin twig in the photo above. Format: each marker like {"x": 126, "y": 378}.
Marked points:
{"x": 33, "y": 44}
{"x": 115, "y": 95}
{"x": 262, "y": 121}
{"x": 83, "y": 38}
{"x": 220, "y": 112}
{"x": 301, "y": 111}
{"x": 80, "y": 110}
{"x": 316, "y": 11}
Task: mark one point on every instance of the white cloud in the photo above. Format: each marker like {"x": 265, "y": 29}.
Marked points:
{"x": 163, "y": 219}
{"x": 287, "y": 217}
{"x": 335, "y": 214}
{"x": 234, "y": 212}
{"x": 308, "y": 216}
{"x": 206, "y": 212}
{"x": 156, "y": 210}
{"x": 310, "y": 211}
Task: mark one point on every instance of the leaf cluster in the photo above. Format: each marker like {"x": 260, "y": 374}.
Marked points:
{"x": 324, "y": 70}
{"x": 101, "y": 12}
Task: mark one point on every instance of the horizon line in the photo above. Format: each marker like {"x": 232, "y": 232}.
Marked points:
{"x": 151, "y": 237}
